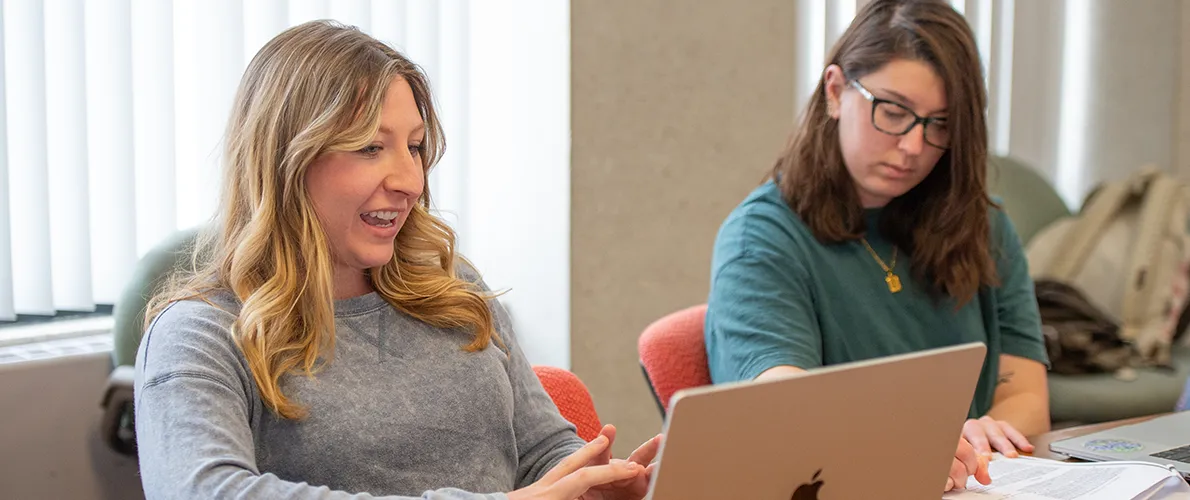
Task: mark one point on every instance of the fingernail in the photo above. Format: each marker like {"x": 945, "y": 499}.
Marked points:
{"x": 949, "y": 484}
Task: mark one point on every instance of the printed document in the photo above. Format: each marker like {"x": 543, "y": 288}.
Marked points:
{"x": 1028, "y": 478}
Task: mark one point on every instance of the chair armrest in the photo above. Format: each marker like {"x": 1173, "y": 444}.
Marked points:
{"x": 117, "y": 427}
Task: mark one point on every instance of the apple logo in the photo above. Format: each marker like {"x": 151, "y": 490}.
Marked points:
{"x": 808, "y": 491}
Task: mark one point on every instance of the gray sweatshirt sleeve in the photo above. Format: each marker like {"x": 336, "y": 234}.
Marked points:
{"x": 194, "y": 407}
{"x": 543, "y": 436}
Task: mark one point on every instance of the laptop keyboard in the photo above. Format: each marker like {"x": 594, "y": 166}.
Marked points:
{"x": 1179, "y": 454}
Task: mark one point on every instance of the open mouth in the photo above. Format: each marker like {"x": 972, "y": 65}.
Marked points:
{"x": 380, "y": 218}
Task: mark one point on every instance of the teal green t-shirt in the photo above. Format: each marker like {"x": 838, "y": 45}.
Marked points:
{"x": 780, "y": 297}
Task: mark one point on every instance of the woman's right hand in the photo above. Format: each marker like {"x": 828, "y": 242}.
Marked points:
{"x": 967, "y": 463}
{"x": 572, "y": 477}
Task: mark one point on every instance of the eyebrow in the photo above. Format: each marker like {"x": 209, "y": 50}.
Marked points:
{"x": 907, "y": 101}
{"x": 419, "y": 128}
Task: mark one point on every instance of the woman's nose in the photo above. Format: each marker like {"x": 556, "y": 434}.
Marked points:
{"x": 405, "y": 175}
{"x": 914, "y": 140}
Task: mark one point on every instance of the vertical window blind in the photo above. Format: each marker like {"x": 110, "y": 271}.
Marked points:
{"x": 112, "y": 115}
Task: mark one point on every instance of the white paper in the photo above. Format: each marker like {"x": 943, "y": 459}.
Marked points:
{"x": 1029, "y": 478}
{"x": 1174, "y": 488}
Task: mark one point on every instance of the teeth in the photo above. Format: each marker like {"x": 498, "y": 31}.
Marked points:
{"x": 384, "y": 215}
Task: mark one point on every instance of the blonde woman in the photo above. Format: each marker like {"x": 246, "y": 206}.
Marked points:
{"x": 330, "y": 343}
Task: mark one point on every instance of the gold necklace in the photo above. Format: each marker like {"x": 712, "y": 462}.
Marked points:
{"x": 894, "y": 282}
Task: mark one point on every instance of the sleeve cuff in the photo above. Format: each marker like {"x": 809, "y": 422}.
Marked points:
{"x": 1035, "y": 352}
{"x": 754, "y": 367}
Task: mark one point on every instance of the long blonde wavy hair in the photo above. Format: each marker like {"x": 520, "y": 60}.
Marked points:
{"x": 315, "y": 88}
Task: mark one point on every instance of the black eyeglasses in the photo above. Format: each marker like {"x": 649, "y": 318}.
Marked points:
{"x": 894, "y": 118}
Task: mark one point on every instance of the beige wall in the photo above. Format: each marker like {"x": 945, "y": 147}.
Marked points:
{"x": 49, "y": 433}
{"x": 1135, "y": 73}
{"x": 1119, "y": 80}
{"x": 1183, "y": 130}
{"x": 677, "y": 113}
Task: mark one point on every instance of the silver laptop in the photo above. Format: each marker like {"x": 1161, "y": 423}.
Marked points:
{"x": 882, "y": 428}
{"x": 1163, "y": 440}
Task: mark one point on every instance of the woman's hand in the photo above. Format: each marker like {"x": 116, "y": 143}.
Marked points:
{"x": 987, "y": 434}
{"x": 967, "y": 463}
{"x": 628, "y": 489}
{"x": 574, "y": 475}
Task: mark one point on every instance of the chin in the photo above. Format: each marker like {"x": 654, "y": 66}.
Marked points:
{"x": 890, "y": 189}
{"x": 375, "y": 259}
{"x": 380, "y": 263}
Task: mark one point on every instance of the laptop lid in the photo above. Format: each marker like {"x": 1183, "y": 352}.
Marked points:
{"x": 881, "y": 428}
{"x": 1163, "y": 440}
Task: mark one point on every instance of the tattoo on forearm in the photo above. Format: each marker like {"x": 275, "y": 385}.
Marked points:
{"x": 1005, "y": 377}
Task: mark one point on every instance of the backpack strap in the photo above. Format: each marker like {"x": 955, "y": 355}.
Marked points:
{"x": 1161, "y": 193}
{"x": 1100, "y": 208}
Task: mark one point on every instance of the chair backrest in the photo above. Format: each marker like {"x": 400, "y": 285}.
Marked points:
{"x": 1029, "y": 200}
{"x": 572, "y": 398}
{"x": 673, "y": 354}
{"x": 129, "y": 311}
{"x": 116, "y": 426}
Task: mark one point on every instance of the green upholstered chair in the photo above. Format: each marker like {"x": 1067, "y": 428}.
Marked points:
{"x": 1032, "y": 203}
{"x": 1028, "y": 199}
{"x": 117, "y": 426}
{"x": 1103, "y": 398}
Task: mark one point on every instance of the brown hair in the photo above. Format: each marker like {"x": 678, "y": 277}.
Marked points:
{"x": 315, "y": 88}
{"x": 943, "y": 221}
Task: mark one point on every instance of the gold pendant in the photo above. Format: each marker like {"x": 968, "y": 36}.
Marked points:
{"x": 894, "y": 283}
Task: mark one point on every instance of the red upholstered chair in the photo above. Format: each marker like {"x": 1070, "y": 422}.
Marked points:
{"x": 673, "y": 354}
{"x": 571, "y": 397}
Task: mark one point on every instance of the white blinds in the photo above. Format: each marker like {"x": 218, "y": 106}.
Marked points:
{"x": 28, "y": 175}
{"x": 111, "y": 116}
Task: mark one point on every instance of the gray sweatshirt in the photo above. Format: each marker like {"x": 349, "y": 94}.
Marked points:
{"x": 401, "y": 410}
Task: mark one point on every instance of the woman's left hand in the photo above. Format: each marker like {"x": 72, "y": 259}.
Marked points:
{"x": 987, "y": 435}
{"x": 630, "y": 489}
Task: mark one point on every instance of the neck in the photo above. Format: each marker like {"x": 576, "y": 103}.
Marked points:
{"x": 350, "y": 283}
{"x": 869, "y": 201}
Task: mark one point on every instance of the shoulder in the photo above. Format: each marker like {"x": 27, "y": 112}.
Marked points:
{"x": 466, "y": 271}
{"x": 762, "y": 223}
{"x": 191, "y": 337}
{"x": 1003, "y": 238}
{"x": 998, "y": 218}
{"x": 501, "y": 319}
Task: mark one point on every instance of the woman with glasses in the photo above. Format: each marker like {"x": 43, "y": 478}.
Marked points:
{"x": 875, "y": 235}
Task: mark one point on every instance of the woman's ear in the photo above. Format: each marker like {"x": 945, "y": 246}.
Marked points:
{"x": 833, "y": 83}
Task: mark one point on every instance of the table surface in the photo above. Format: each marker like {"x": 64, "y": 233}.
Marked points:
{"x": 1041, "y": 442}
